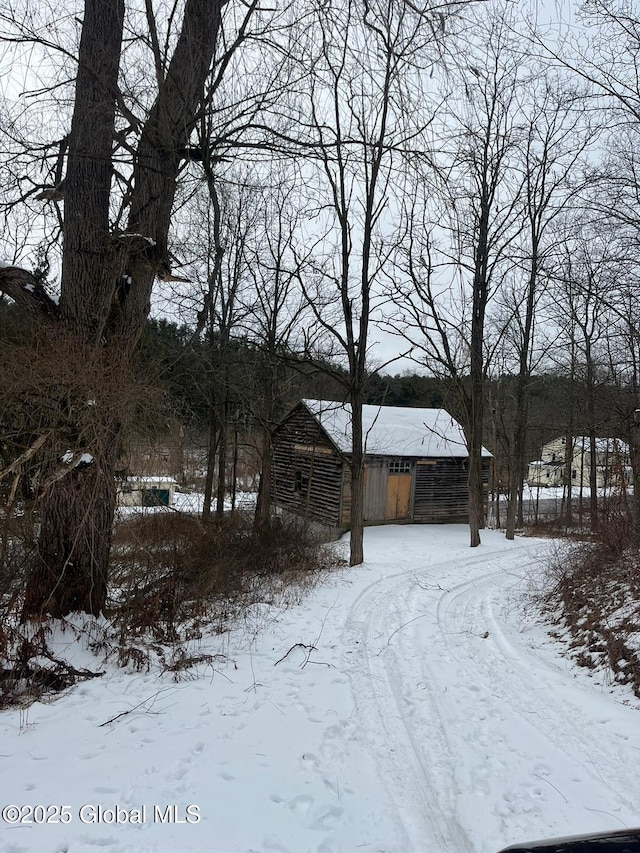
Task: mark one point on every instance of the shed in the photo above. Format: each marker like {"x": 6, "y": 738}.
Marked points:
{"x": 146, "y": 491}
{"x": 415, "y": 465}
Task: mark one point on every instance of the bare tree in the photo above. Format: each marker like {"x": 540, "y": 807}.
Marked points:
{"x": 274, "y": 309}
{"x": 553, "y": 163}
{"x": 368, "y": 111}
{"x": 120, "y": 161}
{"x": 585, "y": 279}
{"x": 457, "y": 254}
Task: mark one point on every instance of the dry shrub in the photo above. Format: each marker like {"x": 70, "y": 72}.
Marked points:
{"x": 173, "y": 573}
{"x": 596, "y": 590}
{"x": 28, "y": 670}
{"x": 17, "y": 546}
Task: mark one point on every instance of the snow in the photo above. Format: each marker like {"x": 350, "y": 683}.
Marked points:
{"x": 188, "y": 502}
{"x": 394, "y": 430}
{"x": 532, "y": 492}
{"x": 602, "y": 445}
{"x": 411, "y": 704}
{"x": 133, "y": 236}
{"x": 83, "y": 459}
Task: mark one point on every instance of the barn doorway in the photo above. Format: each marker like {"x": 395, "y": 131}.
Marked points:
{"x": 398, "y": 496}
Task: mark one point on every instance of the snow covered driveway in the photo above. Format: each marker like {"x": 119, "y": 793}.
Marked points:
{"x": 412, "y": 704}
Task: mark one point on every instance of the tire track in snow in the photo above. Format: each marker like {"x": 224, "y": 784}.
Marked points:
{"x": 414, "y": 760}
{"x": 467, "y": 722}
{"x": 534, "y": 689}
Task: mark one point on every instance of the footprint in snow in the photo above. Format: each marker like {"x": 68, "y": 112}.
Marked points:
{"x": 321, "y": 817}
{"x": 326, "y": 816}
{"x": 300, "y": 805}
{"x": 272, "y": 845}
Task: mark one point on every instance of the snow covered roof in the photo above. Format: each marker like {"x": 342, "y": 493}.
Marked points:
{"x": 394, "y": 430}
{"x": 603, "y": 445}
{"x": 583, "y": 442}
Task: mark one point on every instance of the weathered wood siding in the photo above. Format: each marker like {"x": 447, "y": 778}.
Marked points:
{"x": 307, "y": 470}
{"x": 441, "y": 493}
{"x": 375, "y": 489}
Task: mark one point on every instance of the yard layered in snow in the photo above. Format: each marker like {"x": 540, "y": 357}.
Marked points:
{"x": 408, "y": 705}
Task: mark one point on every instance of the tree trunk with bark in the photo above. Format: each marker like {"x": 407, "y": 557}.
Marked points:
{"x": 106, "y": 284}
{"x": 76, "y": 520}
{"x": 356, "y": 548}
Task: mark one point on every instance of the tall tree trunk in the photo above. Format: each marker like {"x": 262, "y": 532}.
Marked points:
{"x": 222, "y": 455}
{"x": 262, "y": 519}
{"x": 591, "y": 409}
{"x": 569, "y": 470}
{"x": 212, "y": 445}
{"x": 475, "y": 426}
{"x": 593, "y": 479}
{"x": 76, "y": 512}
{"x": 356, "y": 547}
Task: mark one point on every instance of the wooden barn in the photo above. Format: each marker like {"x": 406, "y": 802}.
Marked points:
{"x": 415, "y": 465}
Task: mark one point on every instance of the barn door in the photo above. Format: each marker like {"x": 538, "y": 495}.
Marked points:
{"x": 398, "y": 496}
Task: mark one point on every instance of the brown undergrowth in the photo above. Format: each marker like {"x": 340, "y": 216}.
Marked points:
{"x": 174, "y": 574}
{"x": 174, "y": 580}
{"x": 596, "y": 597}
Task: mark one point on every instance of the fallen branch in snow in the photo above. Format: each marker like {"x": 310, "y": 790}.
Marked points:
{"x": 135, "y": 708}
{"x": 309, "y": 649}
{"x": 28, "y": 677}
{"x": 610, "y": 814}
{"x": 312, "y": 647}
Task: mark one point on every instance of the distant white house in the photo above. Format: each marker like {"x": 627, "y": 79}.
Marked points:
{"x": 611, "y": 458}
{"x": 146, "y": 491}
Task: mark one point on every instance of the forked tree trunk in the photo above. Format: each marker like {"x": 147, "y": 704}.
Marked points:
{"x": 107, "y": 281}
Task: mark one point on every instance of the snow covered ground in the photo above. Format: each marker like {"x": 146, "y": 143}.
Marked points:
{"x": 190, "y": 502}
{"x": 412, "y": 704}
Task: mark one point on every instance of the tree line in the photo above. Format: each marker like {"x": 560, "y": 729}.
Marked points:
{"x": 297, "y": 177}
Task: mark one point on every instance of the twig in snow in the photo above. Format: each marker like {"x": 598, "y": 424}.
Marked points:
{"x": 542, "y": 779}
{"x": 135, "y": 708}
{"x": 602, "y": 811}
{"x": 312, "y": 647}
{"x": 399, "y": 628}
{"x": 309, "y": 649}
